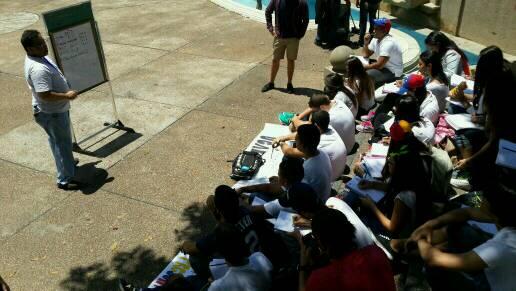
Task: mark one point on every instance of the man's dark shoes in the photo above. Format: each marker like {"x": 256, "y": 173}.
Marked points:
{"x": 267, "y": 87}
{"x": 71, "y": 186}
{"x": 290, "y": 88}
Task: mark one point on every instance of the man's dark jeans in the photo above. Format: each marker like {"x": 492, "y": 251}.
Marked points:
{"x": 366, "y": 10}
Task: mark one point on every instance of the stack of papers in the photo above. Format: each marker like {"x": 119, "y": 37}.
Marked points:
{"x": 374, "y": 166}
{"x": 375, "y": 195}
{"x": 390, "y": 88}
{"x": 378, "y": 150}
{"x": 456, "y": 80}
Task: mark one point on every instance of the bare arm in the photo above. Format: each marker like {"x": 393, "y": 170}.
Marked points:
{"x": 263, "y": 188}
{"x": 268, "y": 16}
{"x": 468, "y": 262}
{"x": 400, "y": 213}
{"x": 290, "y": 151}
{"x": 54, "y": 96}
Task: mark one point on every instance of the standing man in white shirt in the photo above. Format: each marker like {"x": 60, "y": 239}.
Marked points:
{"x": 389, "y": 63}
{"x": 51, "y": 97}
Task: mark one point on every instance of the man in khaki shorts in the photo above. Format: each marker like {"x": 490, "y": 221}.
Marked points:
{"x": 290, "y": 23}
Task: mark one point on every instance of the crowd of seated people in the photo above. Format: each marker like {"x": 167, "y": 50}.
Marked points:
{"x": 345, "y": 240}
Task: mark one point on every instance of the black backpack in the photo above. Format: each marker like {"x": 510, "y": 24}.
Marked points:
{"x": 245, "y": 165}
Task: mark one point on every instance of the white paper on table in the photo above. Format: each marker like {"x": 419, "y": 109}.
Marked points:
{"x": 456, "y": 80}
{"x": 378, "y": 150}
{"x": 375, "y": 195}
{"x": 506, "y": 154}
{"x": 285, "y": 222}
{"x": 374, "y": 166}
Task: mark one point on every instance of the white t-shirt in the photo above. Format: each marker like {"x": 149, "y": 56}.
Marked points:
{"x": 452, "y": 63}
{"x": 256, "y": 275}
{"x": 318, "y": 174}
{"x": 430, "y": 108}
{"x": 343, "y": 121}
{"x": 440, "y": 92}
{"x": 390, "y": 48}
{"x": 334, "y": 147}
{"x": 424, "y": 131}
{"x": 344, "y": 98}
{"x": 42, "y": 75}
{"x": 499, "y": 254}
{"x": 363, "y": 237}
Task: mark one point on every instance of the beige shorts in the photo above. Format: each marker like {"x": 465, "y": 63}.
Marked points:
{"x": 280, "y": 45}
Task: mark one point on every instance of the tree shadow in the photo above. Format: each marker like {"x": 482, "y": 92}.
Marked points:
{"x": 199, "y": 220}
{"x": 139, "y": 265}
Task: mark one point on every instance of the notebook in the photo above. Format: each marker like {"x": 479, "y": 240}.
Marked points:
{"x": 285, "y": 222}
{"x": 375, "y": 195}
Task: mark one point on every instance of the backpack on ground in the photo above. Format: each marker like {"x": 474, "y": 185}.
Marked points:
{"x": 246, "y": 165}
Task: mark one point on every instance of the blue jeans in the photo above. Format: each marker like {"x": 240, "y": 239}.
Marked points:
{"x": 57, "y": 127}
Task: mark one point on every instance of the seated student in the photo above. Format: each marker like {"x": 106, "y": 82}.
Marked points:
{"x": 428, "y": 104}
{"x": 407, "y": 199}
{"x": 453, "y": 59}
{"x": 224, "y": 206}
{"x": 330, "y": 143}
{"x": 389, "y": 64}
{"x": 246, "y": 271}
{"x": 290, "y": 171}
{"x": 349, "y": 268}
{"x": 341, "y": 117}
{"x": 362, "y": 85}
{"x": 496, "y": 257}
{"x": 430, "y": 66}
{"x": 317, "y": 165}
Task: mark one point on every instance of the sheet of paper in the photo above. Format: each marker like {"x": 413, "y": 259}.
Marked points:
{"x": 378, "y": 150}
{"x": 374, "y": 166}
{"x": 390, "y": 88}
{"x": 456, "y": 80}
{"x": 257, "y": 201}
{"x": 375, "y": 195}
{"x": 285, "y": 222}
{"x": 179, "y": 265}
{"x": 461, "y": 121}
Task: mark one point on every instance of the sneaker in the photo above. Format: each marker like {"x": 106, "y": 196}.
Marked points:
{"x": 70, "y": 186}
{"x": 462, "y": 184}
{"x": 267, "y": 87}
{"x": 366, "y": 126}
{"x": 367, "y": 117}
{"x": 290, "y": 88}
{"x": 123, "y": 285}
{"x": 286, "y": 117}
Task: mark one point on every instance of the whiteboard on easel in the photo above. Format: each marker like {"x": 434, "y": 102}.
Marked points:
{"x": 78, "y": 56}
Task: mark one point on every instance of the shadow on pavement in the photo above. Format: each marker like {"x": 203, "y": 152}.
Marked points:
{"x": 94, "y": 177}
{"x": 302, "y": 91}
{"x": 139, "y": 265}
{"x": 199, "y": 220}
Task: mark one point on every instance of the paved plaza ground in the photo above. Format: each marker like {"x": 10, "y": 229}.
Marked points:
{"x": 187, "y": 77}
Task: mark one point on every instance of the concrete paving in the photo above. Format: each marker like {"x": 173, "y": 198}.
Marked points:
{"x": 187, "y": 77}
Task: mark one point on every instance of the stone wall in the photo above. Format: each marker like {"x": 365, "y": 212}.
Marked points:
{"x": 490, "y": 22}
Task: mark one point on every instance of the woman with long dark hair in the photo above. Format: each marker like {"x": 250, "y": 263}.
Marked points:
{"x": 362, "y": 85}
{"x": 453, "y": 59}
{"x": 430, "y": 66}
